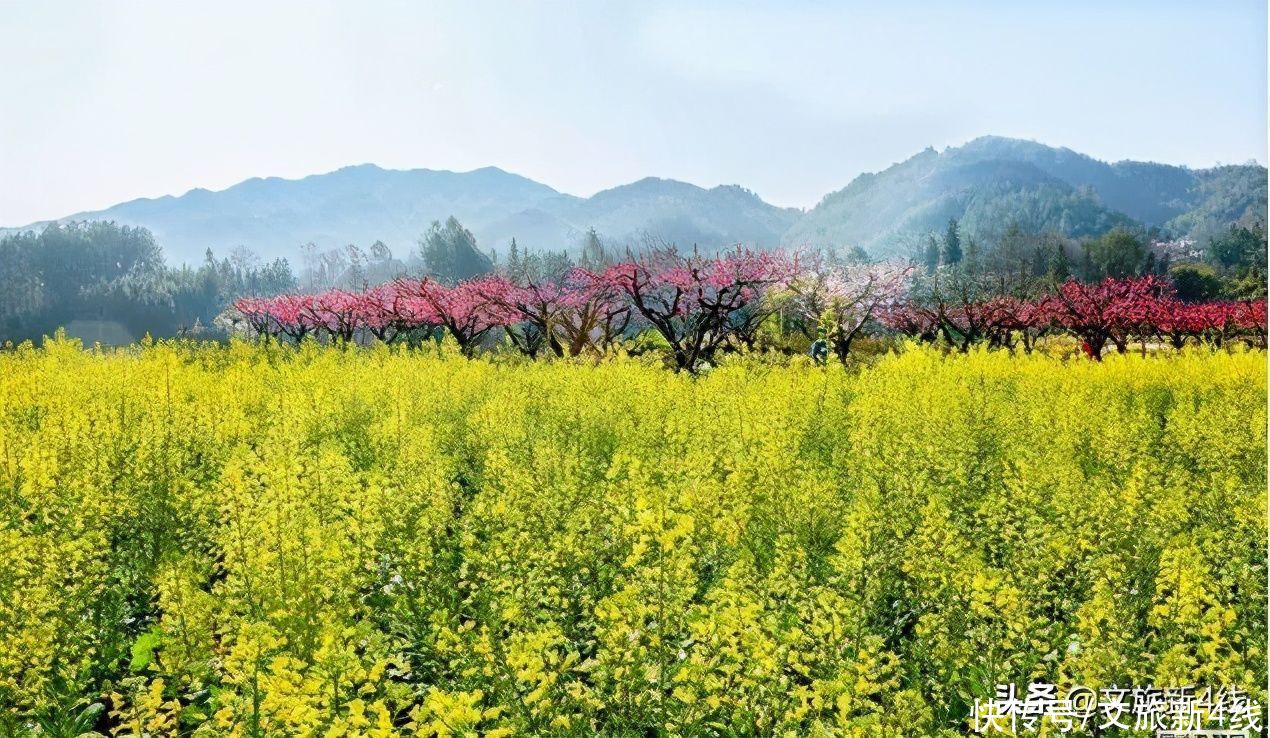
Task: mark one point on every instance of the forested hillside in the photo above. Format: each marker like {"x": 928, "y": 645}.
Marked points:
{"x": 991, "y": 183}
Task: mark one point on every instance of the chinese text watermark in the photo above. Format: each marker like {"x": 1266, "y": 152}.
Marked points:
{"x": 1169, "y": 712}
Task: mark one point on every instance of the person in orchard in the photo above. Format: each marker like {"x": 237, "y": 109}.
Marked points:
{"x": 820, "y": 348}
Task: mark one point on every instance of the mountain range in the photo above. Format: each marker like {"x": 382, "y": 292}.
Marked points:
{"x": 986, "y": 184}
{"x": 991, "y": 182}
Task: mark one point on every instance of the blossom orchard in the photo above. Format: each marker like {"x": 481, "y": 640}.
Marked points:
{"x": 697, "y": 304}
{"x": 703, "y": 305}
{"x": 1112, "y": 313}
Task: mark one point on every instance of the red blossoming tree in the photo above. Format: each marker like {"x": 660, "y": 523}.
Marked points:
{"x": 1108, "y": 311}
{"x": 691, "y": 300}
{"x": 464, "y": 310}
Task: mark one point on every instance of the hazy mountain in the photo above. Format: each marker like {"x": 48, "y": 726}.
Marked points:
{"x": 652, "y": 209}
{"x": 986, "y": 184}
{"x": 356, "y": 204}
{"x": 992, "y": 181}
{"x": 365, "y": 203}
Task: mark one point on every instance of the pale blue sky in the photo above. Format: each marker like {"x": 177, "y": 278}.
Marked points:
{"x": 107, "y": 101}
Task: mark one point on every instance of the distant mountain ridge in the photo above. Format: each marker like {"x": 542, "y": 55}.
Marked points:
{"x": 364, "y": 203}
{"x": 656, "y": 209}
{"x": 991, "y": 182}
{"x": 986, "y": 184}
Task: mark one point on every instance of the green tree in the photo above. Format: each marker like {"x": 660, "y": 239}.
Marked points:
{"x": 1247, "y": 284}
{"x": 1058, "y": 268}
{"x": 515, "y": 269}
{"x": 952, "y": 243}
{"x": 1150, "y": 266}
{"x": 449, "y": 252}
{"x": 973, "y": 260}
{"x": 102, "y": 273}
{"x": 1238, "y": 247}
{"x": 1118, "y": 253}
{"x": 932, "y": 255}
{"x": 1195, "y": 282}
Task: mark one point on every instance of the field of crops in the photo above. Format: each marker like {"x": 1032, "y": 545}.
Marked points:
{"x": 276, "y": 541}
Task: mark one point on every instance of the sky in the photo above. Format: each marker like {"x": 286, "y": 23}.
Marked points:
{"x": 102, "y": 102}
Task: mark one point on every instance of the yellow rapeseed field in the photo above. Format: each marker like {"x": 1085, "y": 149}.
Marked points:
{"x": 253, "y": 540}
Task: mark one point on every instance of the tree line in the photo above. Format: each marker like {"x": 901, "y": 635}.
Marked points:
{"x": 1231, "y": 265}
{"x": 69, "y": 274}
{"x": 97, "y": 273}
{"x": 103, "y": 272}
{"x": 696, "y": 307}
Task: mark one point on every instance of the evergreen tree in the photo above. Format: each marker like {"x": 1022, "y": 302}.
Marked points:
{"x": 515, "y": 268}
{"x": 971, "y": 263}
{"x": 1058, "y": 269}
{"x": 1040, "y": 261}
{"x": 952, "y": 243}
{"x": 1088, "y": 269}
{"x": 932, "y": 256}
{"x": 554, "y": 264}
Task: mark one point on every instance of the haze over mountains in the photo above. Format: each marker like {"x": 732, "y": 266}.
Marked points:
{"x": 986, "y": 184}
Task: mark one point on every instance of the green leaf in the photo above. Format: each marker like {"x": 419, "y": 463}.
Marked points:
{"x": 143, "y": 649}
